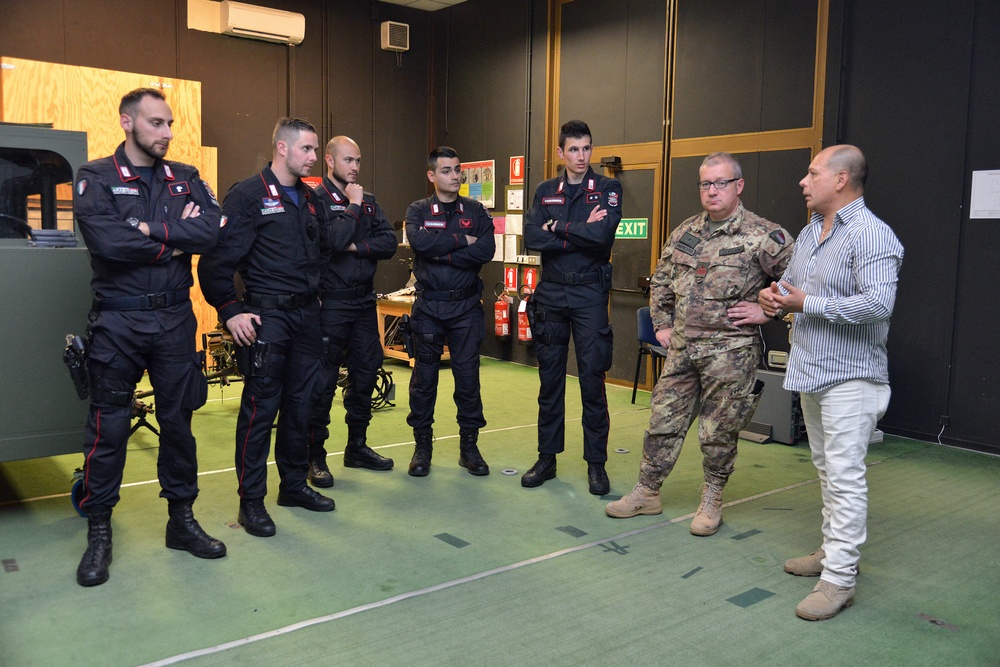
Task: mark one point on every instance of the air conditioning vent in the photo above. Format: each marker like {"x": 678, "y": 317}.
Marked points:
{"x": 395, "y": 36}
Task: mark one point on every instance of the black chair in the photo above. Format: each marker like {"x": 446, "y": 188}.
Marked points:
{"x": 648, "y": 345}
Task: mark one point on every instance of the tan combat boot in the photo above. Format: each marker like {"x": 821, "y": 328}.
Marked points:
{"x": 826, "y": 601}
{"x": 806, "y": 566}
{"x": 641, "y": 500}
{"x": 706, "y": 521}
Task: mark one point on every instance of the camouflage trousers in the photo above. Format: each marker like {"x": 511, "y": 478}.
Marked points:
{"x": 719, "y": 390}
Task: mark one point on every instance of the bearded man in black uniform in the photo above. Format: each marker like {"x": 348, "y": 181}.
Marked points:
{"x": 451, "y": 237}
{"x": 272, "y": 229}
{"x": 142, "y": 217}
{"x": 572, "y": 221}
{"x": 349, "y": 318}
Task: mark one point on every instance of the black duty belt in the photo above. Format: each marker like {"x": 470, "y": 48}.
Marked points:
{"x": 279, "y": 301}
{"x": 144, "y": 302}
{"x": 571, "y": 278}
{"x": 449, "y": 295}
{"x": 355, "y": 292}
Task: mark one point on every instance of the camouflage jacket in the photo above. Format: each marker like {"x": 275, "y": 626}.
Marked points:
{"x": 701, "y": 274}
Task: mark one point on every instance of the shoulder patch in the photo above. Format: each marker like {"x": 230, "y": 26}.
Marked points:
{"x": 778, "y": 236}
{"x": 613, "y": 198}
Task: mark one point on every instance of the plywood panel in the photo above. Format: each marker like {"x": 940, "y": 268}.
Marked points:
{"x": 86, "y": 99}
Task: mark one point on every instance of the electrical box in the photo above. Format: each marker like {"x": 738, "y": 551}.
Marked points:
{"x": 778, "y": 416}
{"x": 395, "y": 36}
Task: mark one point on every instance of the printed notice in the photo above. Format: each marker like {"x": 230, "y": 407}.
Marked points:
{"x": 985, "y": 194}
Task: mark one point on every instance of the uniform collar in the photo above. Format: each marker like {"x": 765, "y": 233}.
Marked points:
{"x": 731, "y": 224}
{"x": 276, "y": 189}
{"x": 334, "y": 191}
{"x": 129, "y": 172}
{"x": 588, "y": 184}
{"x": 437, "y": 207}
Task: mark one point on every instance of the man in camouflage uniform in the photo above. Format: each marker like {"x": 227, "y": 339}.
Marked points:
{"x": 702, "y": 303}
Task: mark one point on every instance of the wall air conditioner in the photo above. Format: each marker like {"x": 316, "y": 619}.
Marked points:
{"x": 271, "y": 25}
{"x": 395, "y": 36}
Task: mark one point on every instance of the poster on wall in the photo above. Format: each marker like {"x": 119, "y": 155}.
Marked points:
{"x": 478, "y": 179}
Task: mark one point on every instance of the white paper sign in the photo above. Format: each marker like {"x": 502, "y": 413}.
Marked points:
{"x": 985, "y": 194}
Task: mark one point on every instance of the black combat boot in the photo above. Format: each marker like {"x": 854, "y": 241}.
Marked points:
{"x": 420, "y": 464}
{"x": 254, "y": 518}
{"x": 93, "y": 569}
{"x": 319, "y": 473}
{"x": 469, "y": 457}
{"x": 358, "y": 454}
{"x": 184, "y": 533}
{"x": 544, "y": 469}
{"x": 597, "y": 479}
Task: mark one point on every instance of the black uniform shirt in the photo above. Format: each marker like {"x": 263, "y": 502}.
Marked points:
{"x": 366, "y": 227}
{"x": 110, "y": 200}
{"x": 574, "y": 245}
{"x": 443, "y": 260}
{"x": 274, "y": 244}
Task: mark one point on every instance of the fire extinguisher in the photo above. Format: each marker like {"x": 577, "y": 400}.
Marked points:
{"x": 501, "y": 312}
{"x": 523, "y": 326}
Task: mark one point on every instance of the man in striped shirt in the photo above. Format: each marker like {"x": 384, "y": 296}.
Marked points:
{"x": 841, "y": 283}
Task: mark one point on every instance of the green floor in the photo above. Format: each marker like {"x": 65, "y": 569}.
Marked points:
{"x": 456, "y": 570}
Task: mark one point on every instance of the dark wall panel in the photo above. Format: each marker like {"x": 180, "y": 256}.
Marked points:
{"x": 591, "y": 86}
{"x": 644, "y": 70}
{"x": 612, "y": 68}
{"x": 743, "y": 66}
{"x": 788, "y": 64}
{"x": 974, "y": 402}
{"x": 906, "y": 106}
{"x": 33, "y": 29}
{"x": 717, "y": 68}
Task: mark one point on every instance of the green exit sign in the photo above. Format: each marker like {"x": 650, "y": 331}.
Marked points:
{"x": 632, "y": 228}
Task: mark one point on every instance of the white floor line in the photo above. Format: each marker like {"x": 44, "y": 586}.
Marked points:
{"x": 448, "y": 584}
{"x": 205, "y": 473}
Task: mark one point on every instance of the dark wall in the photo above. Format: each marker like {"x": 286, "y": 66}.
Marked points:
{"x": 920, "y": 100}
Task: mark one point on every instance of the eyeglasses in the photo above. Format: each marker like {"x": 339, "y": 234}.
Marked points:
{"x": 720, "y": 184}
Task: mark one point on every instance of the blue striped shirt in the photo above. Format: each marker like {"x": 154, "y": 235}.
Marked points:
{"x": 850, "y": 282}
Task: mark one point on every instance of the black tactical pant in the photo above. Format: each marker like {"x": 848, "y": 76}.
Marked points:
{"x": 352, "y": 341}
{"x": 593, "y": 340}
{"x": 464, "y": 335}
{"x": 123, "y": 345}
{"x": 292, "y": 377}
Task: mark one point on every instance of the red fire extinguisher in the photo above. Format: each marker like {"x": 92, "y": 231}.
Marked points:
{"x": 501, "y": 313}
{"x": 523, "y": 326}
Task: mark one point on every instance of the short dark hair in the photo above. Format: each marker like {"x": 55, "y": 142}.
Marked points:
{"x": 289, "y": 129}
{"x": 130, "y": 101}
{"x": 573, "y": 129}
{"x": 440, "y": 152}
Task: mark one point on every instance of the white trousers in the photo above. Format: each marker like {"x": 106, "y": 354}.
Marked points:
{"x": 840, "y": 422}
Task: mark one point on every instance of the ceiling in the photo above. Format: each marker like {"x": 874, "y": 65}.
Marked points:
{"x": 426, "y": 5}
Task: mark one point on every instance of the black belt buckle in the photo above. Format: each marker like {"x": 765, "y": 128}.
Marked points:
{"x": 455, "y": 294}
{"x": 154, "y": 301}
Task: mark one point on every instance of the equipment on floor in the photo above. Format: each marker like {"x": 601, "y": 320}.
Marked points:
{"x": 778, "y": 416}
